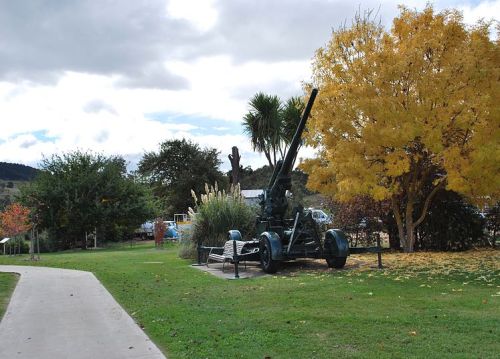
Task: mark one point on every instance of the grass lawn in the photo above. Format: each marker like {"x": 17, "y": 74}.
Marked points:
{"x": 7, "y": 283}
{"x": 422, "y": 305}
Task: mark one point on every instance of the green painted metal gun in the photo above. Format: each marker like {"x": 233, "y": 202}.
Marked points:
{"x": 285, "y": 239}
{"x": 274, "y": 200}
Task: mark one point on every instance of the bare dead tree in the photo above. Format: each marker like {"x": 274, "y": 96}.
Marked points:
{"x": 234, "y": 158}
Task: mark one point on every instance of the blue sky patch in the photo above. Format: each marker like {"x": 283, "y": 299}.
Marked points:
{"x": 41, "y": 135}
{"x": 204, "y": 125}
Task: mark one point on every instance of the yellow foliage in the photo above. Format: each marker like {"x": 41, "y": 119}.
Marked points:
{"x": 393, "y": 104}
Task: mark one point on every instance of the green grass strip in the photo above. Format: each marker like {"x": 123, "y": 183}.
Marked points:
{"x": 398, "y": 312}
{"x": 7, "y": 284}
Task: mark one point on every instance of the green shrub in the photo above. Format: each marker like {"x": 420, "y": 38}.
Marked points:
{"x": 217, "y": 212}
{"x": 187, "y": 249}
{"x": 452, "y": 224}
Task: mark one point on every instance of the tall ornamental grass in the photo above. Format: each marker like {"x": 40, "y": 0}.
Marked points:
{"x": 217, "y": 212}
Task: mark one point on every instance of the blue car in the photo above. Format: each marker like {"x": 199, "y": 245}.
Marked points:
{"x": 171, "y": 232}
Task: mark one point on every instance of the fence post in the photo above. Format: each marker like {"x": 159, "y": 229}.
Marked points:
{"x": 379, "y": 252}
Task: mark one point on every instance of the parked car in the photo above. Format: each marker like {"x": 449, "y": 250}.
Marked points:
{"x": 171, "y": 232}
{"x": 320, "y": 217}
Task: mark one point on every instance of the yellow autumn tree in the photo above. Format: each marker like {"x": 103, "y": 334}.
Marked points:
{"x": 403, "y": 109}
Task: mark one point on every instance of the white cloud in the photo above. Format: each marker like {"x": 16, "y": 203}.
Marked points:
{"x": 87, "y": 112}
{"x": 486, "y": 10}
{"x": 88, "y": 75}
{"x": 200, "y": 14}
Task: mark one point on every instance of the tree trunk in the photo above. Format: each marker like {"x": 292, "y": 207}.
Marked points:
{"x": 84, "y": 242}
{"x": 409, "y": 243}
{"x": 234, "y": 159}
{"x": 268, "y": 156}
{"x": 407, "y": 230}
{"x": 32, "y": 244}
{"x": 399, "y": 220}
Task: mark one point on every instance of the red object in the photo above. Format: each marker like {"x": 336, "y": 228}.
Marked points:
{"x": 14, "y": 220}
{"x": 159, "y": 230}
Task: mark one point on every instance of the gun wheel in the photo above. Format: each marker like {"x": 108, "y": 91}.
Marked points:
{"x": 336, "y": 262}
{"x": 269, "y": 265}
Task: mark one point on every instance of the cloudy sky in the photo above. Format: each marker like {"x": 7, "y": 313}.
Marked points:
{"x": 121, "y": 76}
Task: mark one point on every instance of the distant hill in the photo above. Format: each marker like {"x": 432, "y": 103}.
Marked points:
{"x": 16, "y": 172}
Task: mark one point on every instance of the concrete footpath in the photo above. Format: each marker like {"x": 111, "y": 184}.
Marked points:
{"x": 60, "y": 313}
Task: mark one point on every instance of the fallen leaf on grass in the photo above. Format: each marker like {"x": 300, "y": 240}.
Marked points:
{"x": 482, "y": 263}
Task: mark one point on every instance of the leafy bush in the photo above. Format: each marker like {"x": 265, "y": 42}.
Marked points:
{"x": 452, "y": 224}
{"x": 492, "y": 218}
{"x": 217, "y": 212}
{"x": 359, "y": 218}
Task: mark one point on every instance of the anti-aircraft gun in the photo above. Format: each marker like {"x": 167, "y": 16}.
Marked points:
{"x": 282, "y": 239}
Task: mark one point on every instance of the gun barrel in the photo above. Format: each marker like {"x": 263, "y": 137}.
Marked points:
{"x": 274, "y": 203}
{"x": 287, "y": 164}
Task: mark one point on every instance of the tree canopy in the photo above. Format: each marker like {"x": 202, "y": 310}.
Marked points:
{"x": 14, "y": 220}
{"x": 177, "y": 168}
{"x": 397, "y": 109}
{"x": 271, "y": 124}
{"x": 79, "y": 192}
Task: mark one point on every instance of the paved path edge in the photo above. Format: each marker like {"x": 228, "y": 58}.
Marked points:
{"x": 80, "y": 318}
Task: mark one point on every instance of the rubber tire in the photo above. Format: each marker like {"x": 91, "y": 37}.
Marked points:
{"x": 269, "y": 265}
{"x": 336, "y": 262}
